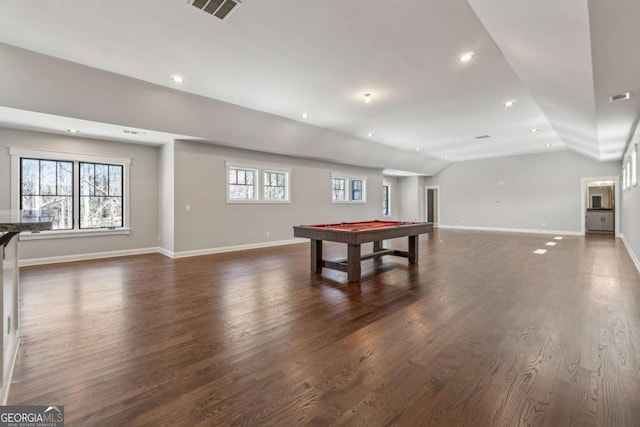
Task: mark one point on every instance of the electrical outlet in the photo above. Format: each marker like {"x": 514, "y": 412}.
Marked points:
{"x": 188, "y": 208}
{"x": 268, "y": 234}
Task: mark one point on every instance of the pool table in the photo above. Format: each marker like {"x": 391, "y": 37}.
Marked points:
{"x": 355, "y": 234}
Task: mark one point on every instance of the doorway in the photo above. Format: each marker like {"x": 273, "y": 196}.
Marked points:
{"x": 432, "y": 204}
{"x": 599, "y": 213}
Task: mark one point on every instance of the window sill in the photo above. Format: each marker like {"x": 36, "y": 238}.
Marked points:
{"x": 351, "y": 202}
{"x": 258, "y": 202}
{"x": 64, "y": 234}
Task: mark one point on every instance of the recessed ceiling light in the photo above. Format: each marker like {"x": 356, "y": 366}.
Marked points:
{"x": 417, "y": 148}
{"x": 305, "y": 115}
{"x": 534, "y": 130}
{"x": 370, "y": 134}
{"x": 367, "y": 97}
{"x": 177, "y": 79}
{"x": 548, "y": 144}
{"x": 446, "y": 157}
{"x": 466, "y": 57}
{"x": 73, "y": 131}
{"x": 509, "y": 103}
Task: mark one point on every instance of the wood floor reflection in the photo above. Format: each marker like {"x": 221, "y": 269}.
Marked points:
{"x": 481, "y": 333}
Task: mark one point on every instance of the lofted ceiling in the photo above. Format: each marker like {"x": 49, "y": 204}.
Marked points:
{"x": 559, "y": 60}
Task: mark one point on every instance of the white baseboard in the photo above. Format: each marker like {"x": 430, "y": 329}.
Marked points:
{"x": 210, "y": 251}
{"x": 84, "y": 257}
{"x": 632, "y": 254}
{"x": 163, "y": 251}
{"x": 512, "y": 230}
{"x": 4, "y": 393}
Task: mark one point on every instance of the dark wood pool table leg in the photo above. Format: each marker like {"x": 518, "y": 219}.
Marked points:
{"x": 377, "y": 245}
{"x": 413, "y": 249}
{"x": 353, "y": 263}
{"x": 316, "y": 256}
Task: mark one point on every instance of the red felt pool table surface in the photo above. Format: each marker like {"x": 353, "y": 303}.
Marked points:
{"x": 361, "y": 225}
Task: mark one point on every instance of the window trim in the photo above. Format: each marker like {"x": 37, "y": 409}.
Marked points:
{"x": 634, "y": 166}
{"x": 388, "y": 195}
{"x": 259, "y": 193}
{"x": 348, "y": 188}
{"x": 16, "y": 153}
{"x": 256, "y": 184}
{"x": 287, "y": 185}
{"x": 363, "y": 190}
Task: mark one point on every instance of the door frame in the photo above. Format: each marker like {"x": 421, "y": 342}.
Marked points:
{"x": 583, "y": 200}
{"x": 426, "y": 203}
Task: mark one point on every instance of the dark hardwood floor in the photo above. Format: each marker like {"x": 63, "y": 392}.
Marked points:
{"x": 481, "y": 333}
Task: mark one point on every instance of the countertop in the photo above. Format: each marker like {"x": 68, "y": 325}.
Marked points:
{"x": 18, "y": 221}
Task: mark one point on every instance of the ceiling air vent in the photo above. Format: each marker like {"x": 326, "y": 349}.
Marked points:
{"x": 483, "y": 137}
{"x": 218, "y": 8}
{"x": 620, "y": 97}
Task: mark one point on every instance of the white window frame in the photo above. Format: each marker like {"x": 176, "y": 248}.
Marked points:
{"x": 388, "y": 187}
{"x": 634, "y": 166}
{"x": 348, "y": 188}
{"x": 17, "y": 153}
{"x": 287, "y": 185}
{"x": 258, "y": 180}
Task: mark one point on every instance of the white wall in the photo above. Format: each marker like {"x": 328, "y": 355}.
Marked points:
{"x": 200, "y": 180}
{"x": 530, "y": 192}
{"x": 167, "y": 197}
{"x": 630, "y": 224}
{"x": 143, "y": 192}
{"x": 410, "y": 189}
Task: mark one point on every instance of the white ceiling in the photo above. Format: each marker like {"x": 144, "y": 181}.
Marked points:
{"x": 559, "y": 60}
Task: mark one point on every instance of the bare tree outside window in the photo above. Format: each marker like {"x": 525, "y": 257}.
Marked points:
{"x": 339, "y": 189}
{"x": 46, "y": 186}
{"x": 385, "y": 200}
{"x": 101, "y": 195}
{"x": 241, "y": 184}
{"x": 356, "y": 189}
{"x": 275, "y": 186}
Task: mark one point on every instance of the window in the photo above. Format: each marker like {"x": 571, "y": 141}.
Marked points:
{"x": 627, "y": 175}
{"x": 257, "y": 184}
{"x": 634, "y": 166}
{"x": 83, "y": 194}
{"x": 385, "y": 200}
{"x": 339, "y": 193}
{"x": 275, "y": 185}
{"x": 101, "y": 195}
{"x": 348, "y": 189}
{"x": 47, "y": 186}
{"x": 242, "y": 184}
{"x": 356, "y": 189}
